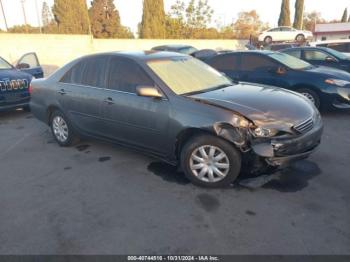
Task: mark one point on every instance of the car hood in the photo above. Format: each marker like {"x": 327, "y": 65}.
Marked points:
{"x": 329, "y": 72}
{"x": 264, "y": 105}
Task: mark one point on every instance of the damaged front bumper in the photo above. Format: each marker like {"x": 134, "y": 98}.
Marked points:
{"x": 282, "y": 152}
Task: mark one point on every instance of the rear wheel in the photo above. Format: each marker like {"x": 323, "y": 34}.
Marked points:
{"x": 268, "y": 40}
{"x": 311, "y": 95}
{"x": 300, "y": 38}
{"x": 62, "y": 129}
{"x": 210, "y": 161}
{"x": 26, "y": 108}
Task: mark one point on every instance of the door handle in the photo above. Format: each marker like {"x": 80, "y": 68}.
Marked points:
{"x": 62, "y": 92}
{"x": 109, "y": 101}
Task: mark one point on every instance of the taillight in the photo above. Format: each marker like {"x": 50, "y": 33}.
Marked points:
{"x": 30, "y": 89}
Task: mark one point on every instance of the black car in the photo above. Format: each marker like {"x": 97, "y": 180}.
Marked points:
{"x": 15, "y": 81}
{"x": 180, "y": 110}
{"x": 182, "y": 49}
{"x": 280, "y": 46}
{"x": 321, "y": 56}
{"x": 322, "y": 85}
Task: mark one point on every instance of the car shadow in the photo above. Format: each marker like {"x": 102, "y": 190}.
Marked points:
{"x": 168, "y": 173}
{"x": 292, "y": 179}
{"x": 7, "y": 116}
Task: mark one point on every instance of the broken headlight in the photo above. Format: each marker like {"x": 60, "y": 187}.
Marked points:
{"x": 265, "y": 132}
{"x": 239, "y": 121}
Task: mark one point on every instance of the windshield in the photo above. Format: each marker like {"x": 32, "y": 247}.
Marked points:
{"x": 4, "y": 64}
{"x": 337, "y": 54}
{"x": 187, "y": 50}
{"x": 290, "y": 61}
{"x": 188, "y": 75}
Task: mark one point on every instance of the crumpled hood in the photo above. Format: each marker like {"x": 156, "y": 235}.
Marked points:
{"x": 264, "y": 105}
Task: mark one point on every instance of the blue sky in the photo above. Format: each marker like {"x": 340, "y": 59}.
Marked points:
{"x": 225, "y": 10}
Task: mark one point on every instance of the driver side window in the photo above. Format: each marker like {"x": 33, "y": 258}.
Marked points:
{"x": 125, "y": 76}
{"x": 314, "y": 55}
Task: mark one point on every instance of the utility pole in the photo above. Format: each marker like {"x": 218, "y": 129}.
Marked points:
{"x": 37, "y": 15}
{"x": 24, "y": 12}
{"x": 3, "y": 13}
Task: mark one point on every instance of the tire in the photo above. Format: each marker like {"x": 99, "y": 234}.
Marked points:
{"x": 62, "y": 130}
{"x": 26, "y": 108}
{"x": 222, "y": 172}
{"x": 268, "y": 40}
{"x": 311, "y": 95}
{"x": 300, "y": 38}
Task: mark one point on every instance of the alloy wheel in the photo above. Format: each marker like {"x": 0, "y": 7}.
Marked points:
{"x": 60, "y": 128}
{"x": 310, "y": 97}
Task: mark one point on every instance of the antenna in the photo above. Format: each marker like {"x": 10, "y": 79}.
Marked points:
{"x": 24, "y": 11}
{"x": 3, "y": 13}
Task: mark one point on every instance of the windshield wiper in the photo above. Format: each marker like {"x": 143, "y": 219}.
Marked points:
{"x": 207, "y": 90}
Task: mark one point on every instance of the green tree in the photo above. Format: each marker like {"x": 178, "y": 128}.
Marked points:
{"x": 153, "y": 19}
{"x": 25, "y": 29}
{"x": 46, "y": 15}
{"x": 192, "y": 20}
{"x": 344, "y": 18}
{"x": 299, "y": 13}
{"x": 248, "y": 25}
{"x": 310, "y": 19}
{"x": 71, "y": 16}
{"x": 284, "y": 19}
{"x": 105, "y": 20}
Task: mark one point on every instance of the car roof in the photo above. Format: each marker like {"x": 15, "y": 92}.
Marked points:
{"x": 174, "y": 46}
{"x": 339, "y": 41}
{"x": 264, "y": 52}
{"x": 142, "y": 55}
{"x": 306, "y": 48}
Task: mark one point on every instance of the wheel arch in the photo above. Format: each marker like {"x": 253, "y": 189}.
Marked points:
{"x": 297, "y": 87}
{"x": 234, "y": 135}
{"x": 49, "y": 112}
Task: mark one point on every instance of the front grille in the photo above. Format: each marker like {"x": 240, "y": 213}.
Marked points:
{"x": 305, "y": 126}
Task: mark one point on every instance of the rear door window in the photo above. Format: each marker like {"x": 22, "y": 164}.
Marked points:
{"x": 295, "y": 53}
{"x": 255, "y": 62}
{"x": 126, "y": 75}
{"x": 88, "y": 72}
{"x": 94, "y": 72}
{"x": 226, "y": 62}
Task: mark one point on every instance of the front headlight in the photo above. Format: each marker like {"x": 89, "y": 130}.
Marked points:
{"x": 337, "y": 82}
{"x": 265, "y": 132}
{"x": 239, "y": 121}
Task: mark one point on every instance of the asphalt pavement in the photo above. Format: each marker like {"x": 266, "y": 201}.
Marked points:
{"x": 98, "y": 198}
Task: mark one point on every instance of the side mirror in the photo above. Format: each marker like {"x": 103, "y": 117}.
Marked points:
{"x": 148, "y": 91}
{"x": 330, "y": 59}
{"x": 23, "y": 66}
{"x": 281, "y": 70}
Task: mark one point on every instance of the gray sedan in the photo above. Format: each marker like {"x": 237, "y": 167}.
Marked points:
{"x": 180, "y": 110}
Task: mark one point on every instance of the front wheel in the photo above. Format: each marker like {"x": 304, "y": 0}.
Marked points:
{"x": 209, "y": 161}
{"x": 311, "y": 95}
{"x": 62, "y": 130}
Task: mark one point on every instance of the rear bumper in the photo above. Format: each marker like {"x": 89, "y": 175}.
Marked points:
{"x": 13, "y": 106}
